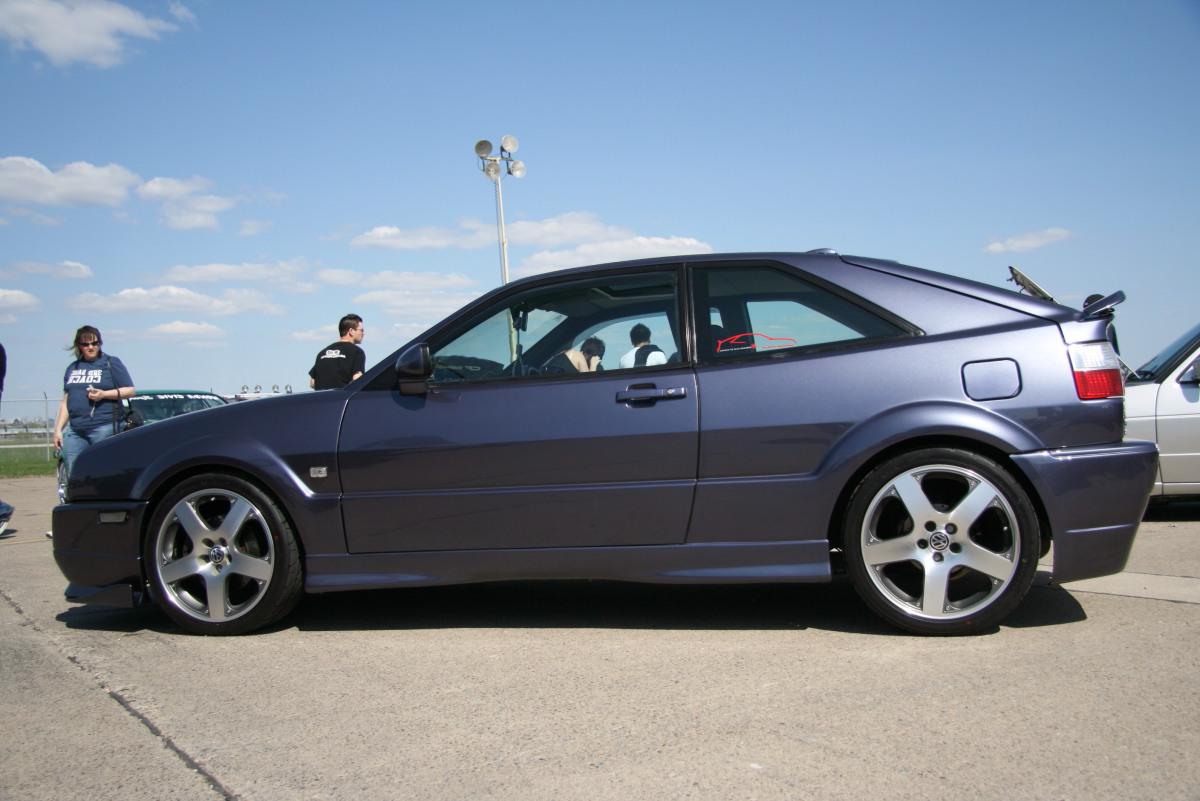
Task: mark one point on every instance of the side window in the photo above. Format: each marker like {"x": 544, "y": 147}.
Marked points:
{"x": 755, "y": 310}
{"x": 581, "y": 326}
{"x": 643, "y": 341}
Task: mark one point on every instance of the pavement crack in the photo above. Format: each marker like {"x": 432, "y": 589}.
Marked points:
{"x": 130, "y": 708}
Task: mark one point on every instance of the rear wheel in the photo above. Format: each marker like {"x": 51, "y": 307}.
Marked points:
{"x": 221, "y": 557}
{"x": 941, "y": 541}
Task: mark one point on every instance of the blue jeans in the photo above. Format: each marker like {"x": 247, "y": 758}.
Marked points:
{"x": 76, "y": 442}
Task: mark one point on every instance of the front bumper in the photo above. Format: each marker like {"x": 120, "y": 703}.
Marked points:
{"x": 1095, "y": 498}
{"x": 98, "y": 548}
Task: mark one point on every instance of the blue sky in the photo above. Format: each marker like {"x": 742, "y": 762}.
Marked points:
{"x": 214, "y": 183}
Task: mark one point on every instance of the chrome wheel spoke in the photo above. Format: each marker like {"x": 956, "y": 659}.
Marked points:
{"x": 995, "y": 565}
{"x": 180, "y": 569}
{"x": 190, "y": 522}
{"x": 937, "y": 582}
{"x": 238, "y": 512}
{"x": 215, "y": 586}
{"x": 890, "y": 551}
{"x": 913, "y": 497}
{"x": 971, "y": 507}
{"x": 251, "y": 566}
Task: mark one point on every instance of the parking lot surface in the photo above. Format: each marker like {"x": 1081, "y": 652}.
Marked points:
{"x": 572, "y": 690}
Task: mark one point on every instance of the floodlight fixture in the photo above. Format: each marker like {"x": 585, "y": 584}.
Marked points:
{"x": 491, "y": 167}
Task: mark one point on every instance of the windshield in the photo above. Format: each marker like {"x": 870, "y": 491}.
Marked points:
{"x": 1157, "y": 368}
{"x": 161, "y": 405}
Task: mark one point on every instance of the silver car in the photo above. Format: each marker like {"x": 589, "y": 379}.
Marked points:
{"x": 1162, "y": 403}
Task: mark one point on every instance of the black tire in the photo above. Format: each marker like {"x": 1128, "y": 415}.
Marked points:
{"x": 941, "y": 541}
{"x": 220, "y": 535}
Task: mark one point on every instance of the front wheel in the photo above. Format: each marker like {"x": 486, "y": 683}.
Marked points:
{"x": 221, "y": 557}
{"x": 941, "y": 541}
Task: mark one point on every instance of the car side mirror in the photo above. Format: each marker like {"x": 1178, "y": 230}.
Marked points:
{"x": 413, "y": 368}
{"x": 1191, "y": 376}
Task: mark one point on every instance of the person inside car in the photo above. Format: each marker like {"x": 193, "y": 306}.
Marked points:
{"x": 643, "y": 354}
{"x": 584, "y": 360}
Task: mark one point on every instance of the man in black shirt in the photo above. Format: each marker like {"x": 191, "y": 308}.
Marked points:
{"x": 343, "y": 361}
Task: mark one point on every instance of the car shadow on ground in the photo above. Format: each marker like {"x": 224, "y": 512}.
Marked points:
{"x": 1175, "y": 510}
{"x": 590, "y": 604}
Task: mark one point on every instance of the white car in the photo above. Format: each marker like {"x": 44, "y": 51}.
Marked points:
{"x": 1162, "y": 403}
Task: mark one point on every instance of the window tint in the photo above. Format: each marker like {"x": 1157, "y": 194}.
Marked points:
{"x": 756, "y": 310}
{"x": 564, "y": 329}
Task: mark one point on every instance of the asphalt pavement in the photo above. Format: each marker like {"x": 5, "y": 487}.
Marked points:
{"x": 575, "y": 690}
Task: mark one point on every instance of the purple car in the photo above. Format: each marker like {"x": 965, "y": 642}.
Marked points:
{"x": 778, "y": 418}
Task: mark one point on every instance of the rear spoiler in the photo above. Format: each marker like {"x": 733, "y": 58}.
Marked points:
{"x": 1102, "y": 307}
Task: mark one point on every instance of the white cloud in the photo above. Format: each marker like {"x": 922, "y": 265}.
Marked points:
{"x": 17, "y": 301}
{"x": 180, "y": 328}
{"x": 286, "y": 274}
{"x": 391, "y": 279}
{"x": 177, "y": 299}
{"x": 387, "y": 236}
{"x": 575, "y": 226}
{"x": 181, "y": 12}
{"x": 421, "y": 308}
{"x": 91, "y": 31}
{"x": 1030, "y": 241}
{"x": 37, "y": 218}
{"x": 183, "y": 207}
{"x": 172, "y": 188}
{"x": 27, "y": 180}
{"x": 637, "y": 247}
{"x": 253, "y": 227}
{"x": 326, "y": 333}
{"x": 64, "y": 269}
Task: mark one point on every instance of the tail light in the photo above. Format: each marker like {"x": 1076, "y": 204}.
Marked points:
{"x": 1097, "y": 371}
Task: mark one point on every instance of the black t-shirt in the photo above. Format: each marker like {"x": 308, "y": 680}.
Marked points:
{"x": 336, "y": 365}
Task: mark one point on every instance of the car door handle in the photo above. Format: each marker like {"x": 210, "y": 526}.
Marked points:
{"x": 643, "y": 394}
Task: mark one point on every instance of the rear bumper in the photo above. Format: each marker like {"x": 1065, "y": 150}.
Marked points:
{"x": 98, "y": 548}
{"x": 1095, "y": 498}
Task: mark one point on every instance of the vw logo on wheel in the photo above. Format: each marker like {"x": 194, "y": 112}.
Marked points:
{"x": 939, "y": 541}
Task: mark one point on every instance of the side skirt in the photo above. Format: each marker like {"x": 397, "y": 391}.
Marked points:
{"x": 805, "y": 561}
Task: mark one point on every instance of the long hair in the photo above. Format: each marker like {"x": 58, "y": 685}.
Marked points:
{"x": 79, "y": 332}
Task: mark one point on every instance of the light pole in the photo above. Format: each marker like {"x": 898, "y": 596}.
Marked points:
{"x": 490, "y": 165}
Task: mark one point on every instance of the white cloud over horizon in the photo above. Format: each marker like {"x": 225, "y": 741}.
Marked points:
{"x": 95, "y": 32}
{"x": 64, "y": 269}
{"x": 392, "y": 279}
{"x": 177, "y": 299}
{"x": 17, "y": 301}
{"x": 471, "y": 234}
{"x": 1028, "y": 241}
{"x": 27, "y": 180}
{"x": 184, "y": 203}
{"x": 285, "y": 273}
{"x": 422, "y": 308}
{"x": 206, "y": 332}
{"x": 636, "y": 247}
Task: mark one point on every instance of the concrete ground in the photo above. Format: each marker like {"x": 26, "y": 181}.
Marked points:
{"x": 596, "y": 691}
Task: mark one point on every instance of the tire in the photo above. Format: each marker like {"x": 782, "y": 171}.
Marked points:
{"x": 218, "y": 537}
{"x": 941, "y": 541}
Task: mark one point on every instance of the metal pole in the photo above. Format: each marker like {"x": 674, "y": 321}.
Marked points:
{"x": 500, "y": 230}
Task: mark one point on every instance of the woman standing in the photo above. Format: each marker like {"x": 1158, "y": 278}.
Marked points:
{"x": 93, "y": 386}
